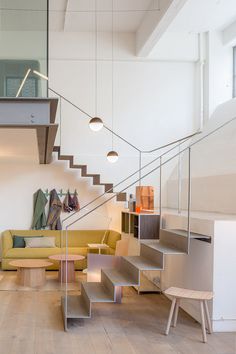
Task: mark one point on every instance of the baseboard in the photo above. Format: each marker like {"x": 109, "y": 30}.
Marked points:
{"x": 224, "y": 325}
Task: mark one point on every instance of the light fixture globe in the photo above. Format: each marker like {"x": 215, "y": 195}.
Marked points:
{"x": 95, "y": 124}
{"x": 112, "y": 156}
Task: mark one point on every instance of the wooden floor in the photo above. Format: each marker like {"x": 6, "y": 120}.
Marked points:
{"x": 31, "y": 323}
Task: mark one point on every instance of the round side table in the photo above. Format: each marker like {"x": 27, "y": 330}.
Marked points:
{"x": 66, "y": 263}
{"x": 31, "y": 272}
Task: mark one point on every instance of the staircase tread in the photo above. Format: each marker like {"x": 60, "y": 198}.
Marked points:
{"x": 143, "y": 263}
{"x": 97, "y": 292}
{"x": 76, "y": 307}
{"x": 119, "y": 279}
{"x": 185, "y": 233}
{"x": 65, "y": 157}
{"x": 78, "y": 166}
{"x": 162, "y": 247}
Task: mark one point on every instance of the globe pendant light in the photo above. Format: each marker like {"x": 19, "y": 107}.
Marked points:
{"x": 95, "y": 124}
{"x": 112, "y": 155}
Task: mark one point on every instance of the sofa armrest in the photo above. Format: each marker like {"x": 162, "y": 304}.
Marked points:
{"x": 7, "y": 242}
{"x": 113, "y": 237}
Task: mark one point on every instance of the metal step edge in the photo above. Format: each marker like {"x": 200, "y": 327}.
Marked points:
{"x": 76, "y": 307}
{"x": 184, "y": 233}
{"x": 161, "y": 247}
{"x": 134, "y": 260}
{"x": 125, "y": 282}
{"x": 96, "y": 292}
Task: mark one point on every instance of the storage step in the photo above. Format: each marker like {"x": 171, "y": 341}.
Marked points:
{"x": 97, "y": 292}
{"x": 118, "y": 278}
{"x": 76, "y": 307}
{"x": 174, "y": 240}
{"x": 161, "y": 247}
{"x": 143, "y": 263}
{"x": 192, "y": 234}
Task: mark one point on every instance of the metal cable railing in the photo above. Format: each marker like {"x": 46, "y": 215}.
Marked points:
{"x": 158, "y": 167}
{"x": 111, "y": 190}
{"x": 140, "y": 169}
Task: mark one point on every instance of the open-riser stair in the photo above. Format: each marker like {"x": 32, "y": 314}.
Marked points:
{"x": 152, "y": 257}
{"x": 108, "y": 187}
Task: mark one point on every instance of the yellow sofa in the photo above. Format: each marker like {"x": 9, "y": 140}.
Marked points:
{"x": 77, "y": 244}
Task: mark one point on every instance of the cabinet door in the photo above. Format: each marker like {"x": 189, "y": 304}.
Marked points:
{"x": 149, "y": 226}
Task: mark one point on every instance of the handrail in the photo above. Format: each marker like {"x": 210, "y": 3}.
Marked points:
{"x": 89, "y": 116}
{"x": 153, "y": 170}
{"x": 182, "y": 141}
{"x": 114, "y": 133}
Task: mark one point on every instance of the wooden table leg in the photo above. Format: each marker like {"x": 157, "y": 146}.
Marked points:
{"x": 176, "y": 312}
{"x": 204, "y": 338}
{"x": 170, "y": 315}
{"x": 70, "y": 267}
{"x": 31, "y": 277}
{"x": 207, "y": 317}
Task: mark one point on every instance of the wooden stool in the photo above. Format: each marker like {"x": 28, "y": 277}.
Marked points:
{"x": 201, "y": 296}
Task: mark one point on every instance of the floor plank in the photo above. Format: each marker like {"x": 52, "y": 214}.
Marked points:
{"x": 31, "y": 323}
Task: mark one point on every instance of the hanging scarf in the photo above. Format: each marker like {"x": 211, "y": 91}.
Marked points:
{"x": 54, "y": 211}
{"x": 75, "y": 202}
{"x": 68, "y": 203}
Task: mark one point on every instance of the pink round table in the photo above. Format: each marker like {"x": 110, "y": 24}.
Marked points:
{"x": 69, "y": 265}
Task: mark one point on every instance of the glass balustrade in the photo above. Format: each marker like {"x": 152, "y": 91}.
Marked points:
{"x": 24, "y": 46}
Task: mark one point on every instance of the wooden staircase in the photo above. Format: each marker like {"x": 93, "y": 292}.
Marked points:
{"x": 108, "y": 187}
{"x": 152, "y": 257}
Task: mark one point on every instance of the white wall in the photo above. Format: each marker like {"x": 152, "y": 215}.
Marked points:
{"x": 153, "y": 104}
{"x": 220, "y": 70}
{"x": 20, "y": 179}
{"x": 213, "y": 166}
{"x": 154, "y": 100}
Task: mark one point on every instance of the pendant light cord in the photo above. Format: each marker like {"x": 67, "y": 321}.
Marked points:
{"x": 96, "y": 53}
{"x": 112, "y": 73}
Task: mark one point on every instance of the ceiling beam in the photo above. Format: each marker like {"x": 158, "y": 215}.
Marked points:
{"x": 154, "y": 24}
{"x": 229, "y": 35}
{"x": 65, "y": 15}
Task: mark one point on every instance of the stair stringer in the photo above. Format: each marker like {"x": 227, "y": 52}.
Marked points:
{"x": 108, "y": 187}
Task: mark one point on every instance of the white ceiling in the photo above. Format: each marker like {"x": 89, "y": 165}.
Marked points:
{"x": 79, "y": 15}
{"x": 204, "y": 15}
{"x": 74, "y": 15}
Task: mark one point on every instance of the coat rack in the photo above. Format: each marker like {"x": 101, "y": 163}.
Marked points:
{"x": 60, "y": 193}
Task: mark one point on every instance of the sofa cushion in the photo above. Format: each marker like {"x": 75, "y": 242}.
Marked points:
{"x": 38, "y": 233}
{"x": 32, "y": 252}
{"x": 19, "y": 241}
{"x": 40, "y": 242}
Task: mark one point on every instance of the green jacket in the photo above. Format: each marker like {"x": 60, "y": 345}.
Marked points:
{"x": 39, "y": 217}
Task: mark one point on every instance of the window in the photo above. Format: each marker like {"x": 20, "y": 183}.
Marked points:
{"x": 234, "y": 71}
{"x": 13, "y": 84}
